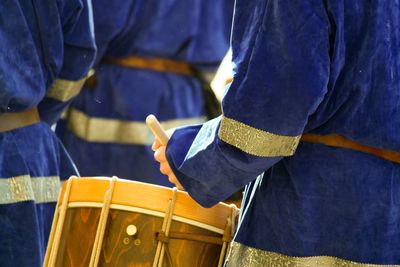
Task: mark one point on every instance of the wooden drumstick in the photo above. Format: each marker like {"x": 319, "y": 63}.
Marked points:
{"x": 157, "y": 129}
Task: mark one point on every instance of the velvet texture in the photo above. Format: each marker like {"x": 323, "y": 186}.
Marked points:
{"x": 39, "y": 42}
{"x": 192, "y": 31}
{"x": 308, "y": 66}
{"x": 25, "y": 225}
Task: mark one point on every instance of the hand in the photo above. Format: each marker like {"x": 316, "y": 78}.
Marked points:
{"x": 159, "y": 155}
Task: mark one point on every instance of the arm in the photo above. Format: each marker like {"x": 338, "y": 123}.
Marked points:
{"x": 281, "y": 75}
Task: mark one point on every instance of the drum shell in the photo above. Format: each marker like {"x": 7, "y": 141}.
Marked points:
{"x": 144, "y": 206}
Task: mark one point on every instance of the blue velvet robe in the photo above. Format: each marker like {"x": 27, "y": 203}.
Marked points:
{"x": 322, "y": 67}
{"x": 41, "y": 44}
{"x": 114, "y": 139}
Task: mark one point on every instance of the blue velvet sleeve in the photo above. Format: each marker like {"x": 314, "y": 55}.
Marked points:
{"x": 281, "y": 56}
{"x": 202, "y": 163}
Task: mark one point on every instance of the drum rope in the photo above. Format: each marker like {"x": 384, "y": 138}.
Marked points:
{"x": 169, "y": 256}
{"x": 52, "y": 231}
{"x": 235, "y": 218}
{"x": 228, "y": 234}
{"x": 168, "y": 220}
{"x": 226, "y": 238}
{"x": 98, "y": 242}
{"x": 159, "y": 257}
{"x": 61, "y": 213}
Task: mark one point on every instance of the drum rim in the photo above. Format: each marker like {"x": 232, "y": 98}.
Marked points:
{"x": 92, "y": 190}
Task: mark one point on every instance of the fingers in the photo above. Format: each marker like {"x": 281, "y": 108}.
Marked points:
{"x": 156, "y": 144}
{"x": 165, "y": 168}
{"x": 159, "y": 154}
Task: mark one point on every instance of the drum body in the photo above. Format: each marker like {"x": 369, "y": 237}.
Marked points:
{"x": 140, "y": 225}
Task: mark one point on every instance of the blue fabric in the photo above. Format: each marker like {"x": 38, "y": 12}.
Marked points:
{"x": 25, "y": 226}
{"x": 78, "y": 49}
{"x": 194, "y": 31}
{"x": 39, "y": 42}
{"x": 43, "y": 49}
{"x": 34, "y": 151}
{"x": 327, "y": 201}
{"x": 319, "y": 67}
{"x": 50, "y": 109}
{"x": 20, "y": 247}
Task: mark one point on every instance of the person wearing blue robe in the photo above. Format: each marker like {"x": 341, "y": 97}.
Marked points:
{"x": 47, "y": 48}
{"x": 105, "y": 130}
{"x": 311, "y": 126}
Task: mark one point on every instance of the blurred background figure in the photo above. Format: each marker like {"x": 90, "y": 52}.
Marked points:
{"x": 47, "y": 48}
{"x": 151, "y": 54}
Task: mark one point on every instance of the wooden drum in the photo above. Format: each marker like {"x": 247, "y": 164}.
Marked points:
{"x": 114, "y": 222}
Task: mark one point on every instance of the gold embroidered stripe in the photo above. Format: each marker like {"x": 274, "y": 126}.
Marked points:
{"x": 26, "y": 188}
{"x": 65, "y": 90}
{"x": 93, "y": 129}
{"x": 244, "y": 256}
{"x": 255, "y": 141}
{"x": 46, "y": 189}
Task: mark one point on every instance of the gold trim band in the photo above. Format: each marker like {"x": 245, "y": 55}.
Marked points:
{"x": 245, "y": 256}
{"x": 65, "y": 90}
{"x": 93, "y": 129}
{"x": 256, "y": 142}
{"x": 26, "y": 188}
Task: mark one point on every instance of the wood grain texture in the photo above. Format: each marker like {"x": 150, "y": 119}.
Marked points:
{"x": 120, "y": 249}
{"x": 78, "y": 237}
